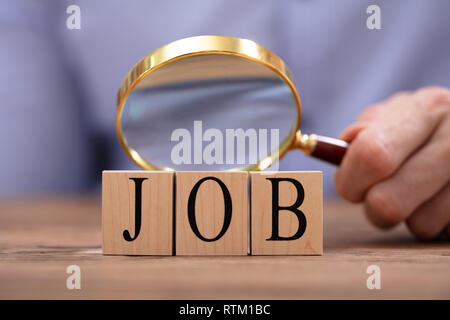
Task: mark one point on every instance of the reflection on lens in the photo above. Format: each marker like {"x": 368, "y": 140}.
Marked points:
{"x": 208, "y": 112}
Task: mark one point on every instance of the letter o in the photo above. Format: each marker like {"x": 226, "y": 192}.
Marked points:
{"x": 227, "y": 212}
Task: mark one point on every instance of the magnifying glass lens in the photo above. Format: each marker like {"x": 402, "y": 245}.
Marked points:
{"x": 208, "y": 112}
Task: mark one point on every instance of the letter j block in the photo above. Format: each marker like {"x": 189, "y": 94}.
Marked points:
{"x": 286, "y": 213}
{"x": 137, "y": 212}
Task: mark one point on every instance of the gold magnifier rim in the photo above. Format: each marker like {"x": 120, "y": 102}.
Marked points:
{"x": 206, "y": 45}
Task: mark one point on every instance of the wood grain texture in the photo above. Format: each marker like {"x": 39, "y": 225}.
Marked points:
{"x": 41, "y": 236}
{"x": 210, "y": 214}
{"x": 118, "y": 213}
{"x": 263, "y": 192}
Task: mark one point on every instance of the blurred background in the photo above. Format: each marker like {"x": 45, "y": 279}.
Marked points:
{"x": 58, "y": 86}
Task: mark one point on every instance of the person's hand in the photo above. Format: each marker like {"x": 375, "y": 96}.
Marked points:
{"x": 398, "y": 162}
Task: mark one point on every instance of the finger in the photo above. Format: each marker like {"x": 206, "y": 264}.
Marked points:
{"x": 351, "y": 132}
{"x": 378, "y": 151}
{"x": 367, "y": 117}
{"x": 375, "y": 111}
{"x": 420, "y": 178}
{"x": 433, "y": 217}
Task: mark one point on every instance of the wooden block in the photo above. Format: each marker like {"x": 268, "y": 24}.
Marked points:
{"x": 212, "y": 213}
{"x": 123, "y": 194}
{"x": 300, "y": 228}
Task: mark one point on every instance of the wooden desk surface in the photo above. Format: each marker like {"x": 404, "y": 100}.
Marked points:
{"x": 40, "y": 238}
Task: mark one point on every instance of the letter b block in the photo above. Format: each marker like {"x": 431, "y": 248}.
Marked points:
{"x": 286, "y": 213}
{"x": 137, "y": 212}
{"x": 212, "y": 213}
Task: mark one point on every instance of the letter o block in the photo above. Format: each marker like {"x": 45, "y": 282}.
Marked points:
{"x": 286, "y": 213}
{"x": 211, "y": 213}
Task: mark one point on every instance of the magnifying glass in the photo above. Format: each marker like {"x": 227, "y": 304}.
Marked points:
{"x": 214, "y": 103}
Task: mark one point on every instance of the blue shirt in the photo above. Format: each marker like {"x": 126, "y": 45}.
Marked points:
{"x": 58, "y": 86}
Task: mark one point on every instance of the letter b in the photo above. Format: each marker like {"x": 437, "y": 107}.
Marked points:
{"x": 276, "y": 208}
{"x": 286, "y": 213}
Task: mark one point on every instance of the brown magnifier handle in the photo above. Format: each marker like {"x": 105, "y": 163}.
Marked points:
{"x": 324, "y": 148}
